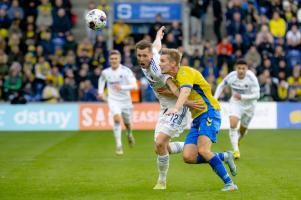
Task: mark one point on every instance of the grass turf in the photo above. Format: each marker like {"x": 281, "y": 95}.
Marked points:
{"x": 83, "y": 165}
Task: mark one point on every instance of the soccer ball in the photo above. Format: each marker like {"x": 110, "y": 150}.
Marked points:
{"x": 96, "y": 19}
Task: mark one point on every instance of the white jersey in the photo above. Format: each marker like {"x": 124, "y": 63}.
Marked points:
{"x": 123, "y": 76}
{"x": 248, "y": 88}
{"x": 158, "y": 80}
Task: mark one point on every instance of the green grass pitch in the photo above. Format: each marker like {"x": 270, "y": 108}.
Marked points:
{"x": 83, "y": 165}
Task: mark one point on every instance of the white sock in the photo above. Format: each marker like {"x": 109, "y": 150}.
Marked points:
{"x": 176, "y": 147}
{"x": 163, "y": 164}
{"x": 117, "y": 134}
{"x": 233, "y": 133}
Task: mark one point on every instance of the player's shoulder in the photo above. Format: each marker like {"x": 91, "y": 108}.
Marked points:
{"x": 106, "y": 70}
{"x": 185, "y": 68}
{"x": 125, "y": 68}
{"x": 232, "y": 75}
{"x": 251, "y": 75}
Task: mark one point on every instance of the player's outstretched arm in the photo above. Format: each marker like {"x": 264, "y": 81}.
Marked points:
{"x": 219, "y": 89}
{"x": 157, "y": 44}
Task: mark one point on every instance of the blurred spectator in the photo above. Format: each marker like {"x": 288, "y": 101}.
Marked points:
{"x": 251, "y": 13}
{"x": 277, "y": 25}
{"x": 3, "y": 63}
{"x": 282, "y": 91}
{"x": 252, "y": 57}
{"x": 44, "y": 14}
{"x": 236, "y": 26}
{"x": 70, "y": 43}
{"x": 154, "y": 27}
{"x": 294, "y": 82}
{"x": 293, "y": 38}
{"x": 177, "y": 33}
{"x": 15, "y": 11}
{"x": 120, "y": 30}
{"x": 61, "y": 22}
{"x": 87, "y": 92}
{"x": 12, "y": 82}
{"x": 68, "y": 91}
{"x": 57, "y": 77}
{"x": 267, "y": 87}
{"x": 50, "y": 93}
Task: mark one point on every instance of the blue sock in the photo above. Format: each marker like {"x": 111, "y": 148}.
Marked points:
{"x": 220, "y": 155}
{"x": 220, "y": 169}
{"x": 201, "y": 160}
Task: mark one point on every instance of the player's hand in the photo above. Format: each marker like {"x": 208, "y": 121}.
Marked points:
{"x": 196, "y": 104}
{"x": 117, "y": 87}
{"x": 101, "y": 97}
{"x": 171, "y": 111}
{"x": 160, "y": 32}
{"x": 237, "y": 96}
{"x": 165, "y": 92}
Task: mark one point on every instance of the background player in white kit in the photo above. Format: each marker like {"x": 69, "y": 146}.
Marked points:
{"x": 245, "y": 92}
{"x": 167, "y": 126}
{"x": 120, "y": 80}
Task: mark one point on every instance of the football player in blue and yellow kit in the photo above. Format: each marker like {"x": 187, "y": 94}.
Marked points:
{"x": 206, "y": 123}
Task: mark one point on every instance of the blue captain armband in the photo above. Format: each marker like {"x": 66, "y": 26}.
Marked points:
{"x": 187, "y": 86}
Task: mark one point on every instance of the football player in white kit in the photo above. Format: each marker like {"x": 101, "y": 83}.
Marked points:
{"x": 167, "y": 127}
{"x": 245, "y": 93}
{"x": 120, "y": 80}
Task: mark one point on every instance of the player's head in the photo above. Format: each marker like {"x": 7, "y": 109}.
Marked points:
{"x": 144, "y": 53}
{"x": 115, "y": 59}
{"x": 241, "y": 68}
{"x": 170, "y": 61}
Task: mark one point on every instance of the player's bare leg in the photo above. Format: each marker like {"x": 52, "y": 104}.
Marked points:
{"x": 131, "y": 139}
{"x": 233, "y": 134}
{"x": 242, "y": 132}
{"x": 190, "y": 154}
{"x": 161, "y": 148}
{"x": 117, "y": 133}
{"x": 204, "y": 149}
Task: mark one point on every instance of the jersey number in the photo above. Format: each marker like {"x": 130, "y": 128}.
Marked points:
{"x": 174, "y": 118}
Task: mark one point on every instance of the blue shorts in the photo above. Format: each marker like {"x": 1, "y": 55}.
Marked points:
{"x": 207, "y": 124}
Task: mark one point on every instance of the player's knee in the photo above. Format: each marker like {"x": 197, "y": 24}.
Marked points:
{"x": 204, "y": 152}
{"x": 117, "y": 120}
{"x": 233, "y": 125}
{"x": 189, "y": 159}
{"x": 160, "y": 145}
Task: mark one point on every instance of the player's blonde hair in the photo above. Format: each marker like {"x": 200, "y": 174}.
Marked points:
{"x": 173, "y": 54}
{"x": 114, "y": 52}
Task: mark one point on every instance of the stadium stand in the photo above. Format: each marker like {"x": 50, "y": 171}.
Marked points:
{"x": 40, "y": 59}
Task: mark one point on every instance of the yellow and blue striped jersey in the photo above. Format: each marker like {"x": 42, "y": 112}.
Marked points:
{"x": 200, "y": 89}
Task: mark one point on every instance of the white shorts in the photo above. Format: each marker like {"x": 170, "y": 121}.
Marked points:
{"x": 245, "y": 114}
{"x": 123, "y": 109}
{"x": 172, "y": 125}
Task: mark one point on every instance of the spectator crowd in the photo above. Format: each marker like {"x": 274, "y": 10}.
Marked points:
{"x": 40, "y": 60}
